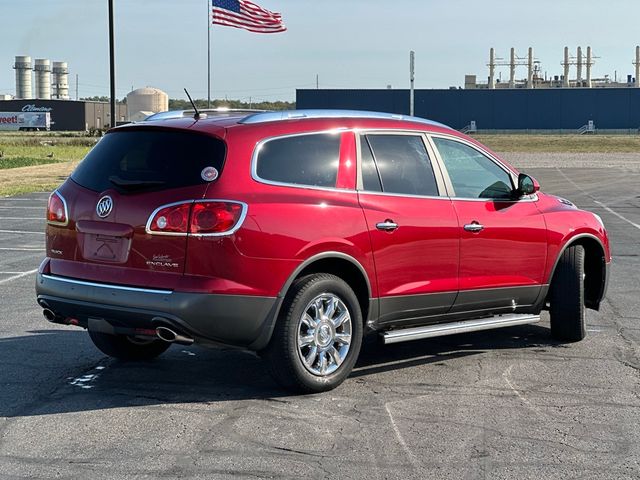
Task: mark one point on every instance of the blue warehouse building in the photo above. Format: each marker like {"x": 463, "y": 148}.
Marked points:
{"x": 559, "y": 109}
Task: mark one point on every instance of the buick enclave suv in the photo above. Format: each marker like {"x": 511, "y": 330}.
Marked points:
{"x": 293, "y": 234}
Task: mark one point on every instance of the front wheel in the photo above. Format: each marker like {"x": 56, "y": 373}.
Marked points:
{"x": 318, "y": 335}
{"x": 125, "y": 347}
{"x": 566, "y": 296}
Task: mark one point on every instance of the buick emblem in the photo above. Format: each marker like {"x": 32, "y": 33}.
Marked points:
{"x": 104, "y": 206}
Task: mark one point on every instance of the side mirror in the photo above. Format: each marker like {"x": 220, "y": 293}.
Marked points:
{"x": 527, "y": 185}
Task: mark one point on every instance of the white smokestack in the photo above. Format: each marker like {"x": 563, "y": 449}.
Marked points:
{"x": 579, "y": 71}
{"x": 492, "y": 69}
{"x": 530, "y": 66}
{"x": 638, "y": 67}
{"x": 589, "y": 64}
{"x": 512, "y": 69}
{"x": 42, "y": 68}
{"x": 565, "y": 82}
{"x": 23, "y": 77}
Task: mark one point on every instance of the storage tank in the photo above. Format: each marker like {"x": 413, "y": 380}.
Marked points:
{"x": 147, "y": 99}
{"x": 60, "y": 83}
{"x": 42, "y": 68}
{"x": 23, "y": 77}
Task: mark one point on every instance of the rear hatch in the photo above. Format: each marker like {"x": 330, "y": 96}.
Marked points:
{"x": 112, "y": 197}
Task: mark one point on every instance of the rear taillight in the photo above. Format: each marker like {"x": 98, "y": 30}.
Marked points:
{"x": 57, "y": 213}
{"x": 170, "y": 219}
{"x": 214, "y": 217}
{"x": 208, "y": 217}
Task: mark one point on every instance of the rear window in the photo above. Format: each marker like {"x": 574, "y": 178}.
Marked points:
{"x": 148, "y": 159}
{"x": 304, "y": 160}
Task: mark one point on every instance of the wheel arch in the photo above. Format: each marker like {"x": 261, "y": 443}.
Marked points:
{"x": 341, "y": 265}
{"x": 595, "y": 267}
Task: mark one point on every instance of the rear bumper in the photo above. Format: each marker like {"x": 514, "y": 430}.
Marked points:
{"x": 236, "y": 320}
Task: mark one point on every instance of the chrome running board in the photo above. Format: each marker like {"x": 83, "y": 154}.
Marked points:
{"x": 442, "y": 329}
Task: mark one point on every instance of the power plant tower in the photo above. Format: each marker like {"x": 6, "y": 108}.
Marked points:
{"x": 589, "y": 65}
{"x": 637, "y": 64}
{"x": 565, "y": 79}
{"x": 23, "y": 77}
{"x": 492, "y": 69}
{"x": 579, "y": 68}
{"x": 530, "y": 67}
{"x": 512, "y": 69}
{"x": 43, "y": 78}
{"x": 60, "y": 81}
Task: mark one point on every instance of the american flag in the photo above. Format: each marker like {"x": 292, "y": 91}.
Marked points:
{"x": 247, "y": 15}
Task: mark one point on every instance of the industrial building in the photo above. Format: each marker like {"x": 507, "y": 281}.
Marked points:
{"x": 69, "y": 115}
{"x": 50, "y": 93}
{"x": 534, "y": 103}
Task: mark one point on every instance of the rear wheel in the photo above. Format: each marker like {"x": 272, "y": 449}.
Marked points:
{"x": 566, "y": 296}
{"x": 318, "y": 336}
{"x": 125, "y": 347}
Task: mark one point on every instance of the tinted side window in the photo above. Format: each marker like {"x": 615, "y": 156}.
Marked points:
{"x": 472, "y": 174}
{"x": 305, "y": 160}
{"x": 403, "y": 164}
{"x": 370, "y": 178}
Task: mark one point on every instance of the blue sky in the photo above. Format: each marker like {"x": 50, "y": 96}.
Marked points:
{"x": 348, "y": 43}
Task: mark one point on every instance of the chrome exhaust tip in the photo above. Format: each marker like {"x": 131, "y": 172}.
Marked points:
{"x": 168, "y": 335}
{"x": 49, "y": 315}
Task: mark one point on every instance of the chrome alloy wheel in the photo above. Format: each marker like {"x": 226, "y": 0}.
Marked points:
{"x": 324, "y": 334}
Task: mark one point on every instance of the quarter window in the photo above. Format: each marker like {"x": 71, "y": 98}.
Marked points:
{"x": 472, "y": 174}
{"x": 304, "y": 160}
{"x": 403, "y": 164}
{"x": 370, "y": 177}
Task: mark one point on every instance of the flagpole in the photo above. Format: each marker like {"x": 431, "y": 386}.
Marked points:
{"x": 112, "y": 70}
{"x": 208, "y": 54}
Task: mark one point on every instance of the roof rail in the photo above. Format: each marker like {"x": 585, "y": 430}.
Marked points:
{"x": 321, "y": 113}
{"x": 205, "y": 112}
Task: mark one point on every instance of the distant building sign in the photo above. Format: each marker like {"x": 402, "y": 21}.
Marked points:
{"x": 33, "y": 108}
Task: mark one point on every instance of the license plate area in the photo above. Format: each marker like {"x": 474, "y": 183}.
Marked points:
{"x": 104, "y": 248}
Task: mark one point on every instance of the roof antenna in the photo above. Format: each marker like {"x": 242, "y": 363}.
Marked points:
{"x": 197, "y": 115}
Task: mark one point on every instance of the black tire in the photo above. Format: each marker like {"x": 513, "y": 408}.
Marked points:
{"x": 566, "y": 297}
{"x": 124, "y": 347}
{"x": 283, "y": 354}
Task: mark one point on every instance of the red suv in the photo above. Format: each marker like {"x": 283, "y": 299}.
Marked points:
{"x": 292, "y": 234}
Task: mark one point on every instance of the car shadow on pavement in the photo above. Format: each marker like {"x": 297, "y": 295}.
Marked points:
{"x": 59, "y": 371}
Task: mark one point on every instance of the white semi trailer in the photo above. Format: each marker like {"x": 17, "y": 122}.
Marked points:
{"x": 25, "y": 121}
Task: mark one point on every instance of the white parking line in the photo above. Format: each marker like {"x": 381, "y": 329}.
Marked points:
{"x": 23, "y": 249}
{"x": 21, "y": 231}
{"x": 617, "y": 214}
{"x": 23, "y": 218}
{"x": 20, "y": 275}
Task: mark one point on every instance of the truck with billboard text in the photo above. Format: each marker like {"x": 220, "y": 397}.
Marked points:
{"x": 25, "y": 121}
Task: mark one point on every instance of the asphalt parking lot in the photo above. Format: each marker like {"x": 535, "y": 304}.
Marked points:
{"x": 510, "y": 403}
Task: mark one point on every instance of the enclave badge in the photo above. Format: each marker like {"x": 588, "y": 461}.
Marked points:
{"x": 104, "y": 206}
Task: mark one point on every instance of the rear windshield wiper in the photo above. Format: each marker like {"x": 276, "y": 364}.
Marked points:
{"x": 134, "y": 184}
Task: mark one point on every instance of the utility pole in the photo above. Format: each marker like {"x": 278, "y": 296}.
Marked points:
{"x": 112, "y": 66}
{"x": 76, "y": 87}
{"x": 412, "y": 61}
{"x": 317, "y": 81}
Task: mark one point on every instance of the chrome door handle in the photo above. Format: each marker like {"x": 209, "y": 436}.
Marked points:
{"x": 473, "y": 227}
{"x": 387, "y": 226}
